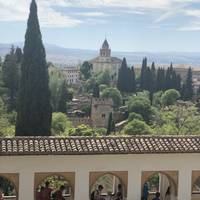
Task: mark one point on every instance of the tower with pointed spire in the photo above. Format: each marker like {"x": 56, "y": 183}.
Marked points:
{"x": 106, "y": 62}
{"x": 105, "y": 51}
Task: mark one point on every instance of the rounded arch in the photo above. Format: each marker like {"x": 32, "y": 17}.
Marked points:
{"x": 121, "y": 176}
{"x": 69, "y": 177}
{"x": 14, "y": 180}
{"x": 173, "y": 183}
{"x": 196, "y": 182}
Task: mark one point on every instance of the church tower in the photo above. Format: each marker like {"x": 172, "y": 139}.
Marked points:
{"x": 105, "y": 51}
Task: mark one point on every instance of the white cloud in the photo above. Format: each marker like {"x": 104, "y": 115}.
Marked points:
{"x": 92, "y": 14}
{"x": 193, "y": 13}
{"x": 50, "y": 16}
{"x": 12, "y": 10}
{"x": 194, "y": 26}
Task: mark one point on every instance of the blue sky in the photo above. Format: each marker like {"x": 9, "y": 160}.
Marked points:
{"x": 129, "y": 25}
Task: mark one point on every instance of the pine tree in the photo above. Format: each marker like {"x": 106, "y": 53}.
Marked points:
{"x": 96, "y": 92}
{"x": 111, "y": 125}
{"x": 34, "y": 109}
{"x": 188, "y": 91}
{"x": 10, "y": 74}
{"x": 63, "y": 97}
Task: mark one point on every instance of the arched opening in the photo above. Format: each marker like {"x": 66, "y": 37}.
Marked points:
{"x": 54, "y": 185}
{"x": 159, "y": 182}
{"x": 196, "y": 189}
{"x": 113, "y": 187}
{"x": 8, "y": 189}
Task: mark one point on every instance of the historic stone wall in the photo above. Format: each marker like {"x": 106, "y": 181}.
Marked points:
{"x": 101, "y": 109}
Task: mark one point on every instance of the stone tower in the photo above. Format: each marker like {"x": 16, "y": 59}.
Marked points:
{"x": 101, "y": 109}
{"x": 105, "y": 51}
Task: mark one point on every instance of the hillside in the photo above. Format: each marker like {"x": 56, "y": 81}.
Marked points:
{"x": 62, "y": 55}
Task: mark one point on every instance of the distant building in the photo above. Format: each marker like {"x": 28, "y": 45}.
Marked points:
{"x": 105, "y": 62}
{"x": 101, "y": 109}
{"x": 72, "y": 75}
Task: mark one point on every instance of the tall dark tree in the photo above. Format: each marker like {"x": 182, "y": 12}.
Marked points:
{"x": 96, "y": 92}
{"x": 143, "y": 75}
{"x": 123, "y": 83}
{"x": 86, "y": 70}
{"x": 10, "y": 73}
{"x": 19, "y": 55}
{"x": 132, "y": 86}
{"x": 34, "y": 109}
{"x": 153, "y": 74}
{"x": 188, "y": 89}
{"x": 63, "y": 97}
{"x": 111, "y": 125}
{"x": 178, "y": 82}
{"x": 171, "y": 78}
{"x": 160, "y": 79}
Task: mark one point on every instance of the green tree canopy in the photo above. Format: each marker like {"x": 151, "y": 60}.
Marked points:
{"x": 82, "y": 130}
{"x": 86, "y": 70}
{"x": 60, "y": 124}
{"x": 10, "y": 74}
{"x": 178, "y": 120}
{"x": 114, "y": 94}
{"x": 141, "y": 104}
{"x": 133, "y": 116}
{"x": 104, "y": 77}
{"x": 170, "y": 97}
{"x": 137, "y": 127}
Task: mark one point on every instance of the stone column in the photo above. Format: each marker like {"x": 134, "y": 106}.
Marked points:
{"x": 184, "y": 188}
{"x": 134, "y": 185}
{"x": 26, "y": 186}
{"x": 82, "y": 185}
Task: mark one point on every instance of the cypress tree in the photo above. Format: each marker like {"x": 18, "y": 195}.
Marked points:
{"x": 168, "y": 79}
{"x": 10, "y": 73}
{"x": 160, "y": 79}
{"x": 111, "y": 125}
{"x": 143, "y": 75}
{"x": 19, "y": 55}
{"x": 63, "y": 97}
{"x": 153, "y": 74}
{"x": 188, "y": 91}
{"x": 132, "y": 80}
{"x": 178, "y": 82}
{"x": 96, "y": 92}
{"x": 34, "y": 109}
{"x": 123, "y": 77}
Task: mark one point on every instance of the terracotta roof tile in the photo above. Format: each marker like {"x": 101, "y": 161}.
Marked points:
{"x": 99, "y": 145}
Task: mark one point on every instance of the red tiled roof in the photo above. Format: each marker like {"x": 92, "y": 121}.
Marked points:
{"x": 99, "y": 145}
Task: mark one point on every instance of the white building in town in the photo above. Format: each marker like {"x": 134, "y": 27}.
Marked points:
{"x": 106, "y": 62}
{"x": 72, "y": 74}
{"x": 26, "y": 161}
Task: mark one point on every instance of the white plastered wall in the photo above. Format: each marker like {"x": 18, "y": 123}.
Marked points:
{"x": 26, "y": 166}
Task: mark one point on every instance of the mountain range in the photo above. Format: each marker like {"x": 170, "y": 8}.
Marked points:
{"x": 66, "y": 56}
